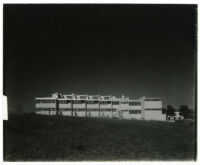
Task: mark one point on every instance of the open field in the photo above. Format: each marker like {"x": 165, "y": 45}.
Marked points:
{"x": 57, "y": 138}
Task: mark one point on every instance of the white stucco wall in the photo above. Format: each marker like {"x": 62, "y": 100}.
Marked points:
{"x": 66, "y": 113}
{"x": 45, "y": 105}
{"x": 92, "y": 106}
{"x": 79, "y": 105}
{"x": 81, "y": 114}
{"x": 65, "y": 105}
{"x": 38, "y": 112}
{"x": 154, "y": 115}
{"x": 153, "y": 110}
{"x": 104, "y": 113}
{"x": 105, "y": 106}
{"x": 124, "y": 106}
{"x": 52, "y": 112}
{"x": 93, "y": 113}
{"x": 126, "y": 115}
{"x": 134, "y": 107}
{"x": 153, "y": 104}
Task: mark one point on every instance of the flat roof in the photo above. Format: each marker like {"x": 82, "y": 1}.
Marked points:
{"x": 43, "y": 98}
{"x": 97, "y": 97}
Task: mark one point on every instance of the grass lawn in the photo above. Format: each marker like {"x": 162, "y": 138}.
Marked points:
{"x": 55, "y": 138}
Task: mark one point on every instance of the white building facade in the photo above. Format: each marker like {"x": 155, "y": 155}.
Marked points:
{"x": 101, "y": 107}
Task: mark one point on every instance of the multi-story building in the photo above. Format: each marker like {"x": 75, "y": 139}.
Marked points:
{"x": 101, "y": 106}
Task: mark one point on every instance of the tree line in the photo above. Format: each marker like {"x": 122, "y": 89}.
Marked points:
{"x": 183, "y": 109}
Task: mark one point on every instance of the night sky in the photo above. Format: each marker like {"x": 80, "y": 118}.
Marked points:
{"x": 134, "y": 50}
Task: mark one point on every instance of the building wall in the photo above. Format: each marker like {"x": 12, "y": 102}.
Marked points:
{"x": 107, "y": 112}
{"x": 154, "y": 115}
{"x": 69, "y": 105}
{"x": 66, "y": 113}
{"x": 123, "y": 108}
{"x": 131, "y": 116}
{"x": 46, "y": 112}
{"x": 153, "y": 104}
{"x": 79, "y": 106}
{"x": 52, "y": 112}
{"x": 93, "y": 112}
{"x": 125, "y": 114}
{"x": 80, "y": 112}
{"x": 153, "y": 110}
{"x": 45, "y": 105}
{"x": 106, "y": 109}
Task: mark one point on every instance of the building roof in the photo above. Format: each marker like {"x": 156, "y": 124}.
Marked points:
{"x": 44, "y": 98}
{"x": 94, "y": 97}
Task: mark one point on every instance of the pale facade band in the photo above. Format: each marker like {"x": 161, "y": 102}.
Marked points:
{"x": 101, "y": 106}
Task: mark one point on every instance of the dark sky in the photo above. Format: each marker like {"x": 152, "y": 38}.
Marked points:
{"x": 133, "y": 50}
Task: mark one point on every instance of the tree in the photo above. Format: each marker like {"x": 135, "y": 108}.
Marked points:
{"x": 184, "y": 110}
{"x": 170, "y": 110}
{"x": 164, "y": 111}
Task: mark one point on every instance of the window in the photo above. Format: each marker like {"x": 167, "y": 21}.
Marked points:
{"x": 64, "y": 101}
{"x": 90, "y": 102}
{"x": 94, "y": 110}
{"x": 81, "y": 109}
{"x": 106, "y": 97}
{"x": 108, "y": 102}
{"x": 45, "y": 109}
{"x": 96, "y": 102}
{"x": 45, "y": 101}
{"x": 153, "y": 109}
{"x": 124, "y": 102}
{"x": 134, "y": 111}
{"x": 103, "y": 102}
{"x": 134, "y": 103}
{"x": 82, "y": 101}
{"x": 68, "y": 101}
{"x": 153, "y": 99}
{"x": 77, "y": 101}
{"x": 115, "y": 102}
{"x": 95, "y": 97}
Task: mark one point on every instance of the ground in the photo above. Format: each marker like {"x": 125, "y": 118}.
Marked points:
{"x": 56, "y": 138}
